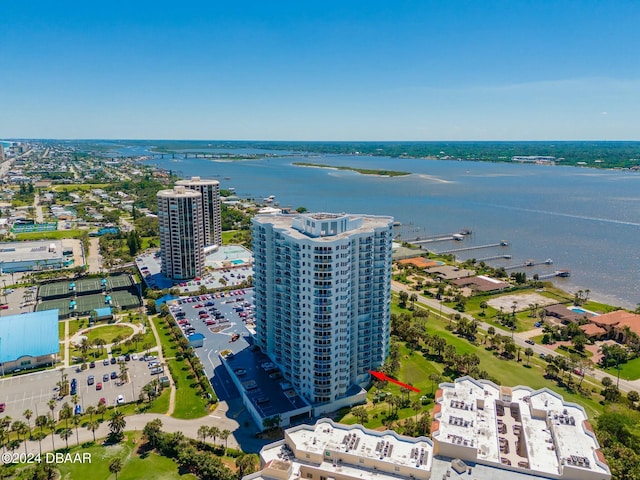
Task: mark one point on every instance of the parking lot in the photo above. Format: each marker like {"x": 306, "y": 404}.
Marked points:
{"x": 232, "y": 332}
{"x": 220, "y": 335}
{"x": 33, "y": 391}
{"x": 149, "y": 266}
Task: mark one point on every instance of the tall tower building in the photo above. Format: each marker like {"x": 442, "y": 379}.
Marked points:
{"x": 210, "y": 190}
{"x": 181, "y": 233}
{"x": 322, "y": 293}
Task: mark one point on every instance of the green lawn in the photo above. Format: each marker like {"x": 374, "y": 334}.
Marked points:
{"x": 189, "y": 403}
{"x": 135, "y": 465}
{"x": 109, "y": 332}
{"x": 628, "y": 371}
{"x": 53, "y": 235}
{"x": 507, "y": 372}
{"x": 160, "y": 404}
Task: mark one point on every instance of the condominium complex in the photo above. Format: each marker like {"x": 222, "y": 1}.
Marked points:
{"x": 210, "y": 190}
{"x": 344, "y": 452}
{"x": 481, "y": 431}
{"x": 517, "y": 429}
{"x": 322, "y": 292}
{"x": 181, "y": 233}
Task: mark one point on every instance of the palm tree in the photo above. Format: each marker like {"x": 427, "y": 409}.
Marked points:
{"x": 115, "y": 466}
{"x": 214, "y": 432}
{"x": 75, "y": 420}
{"x": 224, "y": 435}
{"x": 246, "y": 464}
{"x": 52, "y": 405}
{"x": 528, "y": 352}
{"x": 99, "y": 343}
{"x": 51, "y": 424}
{"x": 117, "y": 424}
{"x": 91, "y": 410}
{"x": 101, "y": 409}
{"x": 66, "y": 412}
{"x": 93, "y": 425}
{"x": 123, "y": 371}
{"x": 65, "y": 434}
{"x": 416, "y": 407}
{"x": 203, "y": 432}
{"x": 483, "y": 307}
{"x": 39, "y": 436}
{"x": 21, "y": 429}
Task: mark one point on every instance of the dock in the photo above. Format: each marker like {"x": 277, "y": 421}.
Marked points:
{"x": 503, "y": 243}
{"x": 441, "y": 237}
{"x": 529, "y": 263}
{"x": 557, "y": 273}
{"x": 495, "y": 257}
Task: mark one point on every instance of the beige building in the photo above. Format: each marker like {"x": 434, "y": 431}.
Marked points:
{"x": 329, "y": 450}
{"x": 181, "y": 233}
{"x": 516, "y": 429}
{"x": 210, "y": 190}
{"x": 481, "y": 431}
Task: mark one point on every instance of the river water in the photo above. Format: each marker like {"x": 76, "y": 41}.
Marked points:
{"x": 586, "y": 220}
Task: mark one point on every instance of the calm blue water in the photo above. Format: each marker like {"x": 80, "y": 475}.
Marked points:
{"x": 587, "y": 221}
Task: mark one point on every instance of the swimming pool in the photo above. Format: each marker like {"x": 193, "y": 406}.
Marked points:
{"x": 237, "y": 262}
{"x": 582, "y": 310}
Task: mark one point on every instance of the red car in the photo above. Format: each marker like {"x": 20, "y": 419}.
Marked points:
{"x": 98, "y": 386}
{"x": 2, "y": 407}
{"x": 103, "y": 401}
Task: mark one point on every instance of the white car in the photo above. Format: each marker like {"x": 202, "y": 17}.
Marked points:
{"x": 120, "y": 399}
{"x": 134, "y": 357}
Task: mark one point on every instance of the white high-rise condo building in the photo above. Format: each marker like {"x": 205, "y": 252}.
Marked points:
{"x": 210, "y": 190}
{"x": 322, "y": 293}
{"x": 181, "y": 233}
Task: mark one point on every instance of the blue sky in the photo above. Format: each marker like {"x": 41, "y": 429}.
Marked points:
{"x": 320, "y": 70}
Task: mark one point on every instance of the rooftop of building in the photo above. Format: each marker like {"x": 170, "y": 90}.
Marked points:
{"x": 179, "y": 191}
{"x": 197, "y": 181}
{"x": 41, "y": 250}
{"x": 29, "y": 334}
{"x": 382, "y": 448}
{"x": 481, "y": 283}
{"x": 534, "y": 430}
{"x": 619, "y": 319}
{"x": 302, "y": 226}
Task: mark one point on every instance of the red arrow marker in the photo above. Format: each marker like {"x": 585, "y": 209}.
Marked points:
{"x": 383, "y": 377}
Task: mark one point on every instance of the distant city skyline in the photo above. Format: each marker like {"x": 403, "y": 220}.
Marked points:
{"x": 320, "y": 71}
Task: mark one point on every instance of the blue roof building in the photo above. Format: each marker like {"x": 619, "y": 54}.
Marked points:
{"x": 196, "y": 340}
{"x": 104, "y": 313}
{"x": 29, "y": 339}
{"x": 164, "y": 299}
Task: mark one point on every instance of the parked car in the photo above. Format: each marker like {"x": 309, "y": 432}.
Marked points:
{"x": 91, "y": 380}
{"x": 105, "y": 377}
{"x": 92, "y": 365}
{"x": 2, "y": 407}
{"x": 105, "y": 362}
{"x": 120, "y": 399}
{"x": 114, "y": 375}
{"x": 78, "y": 409}
{"x": 99, "y": 386}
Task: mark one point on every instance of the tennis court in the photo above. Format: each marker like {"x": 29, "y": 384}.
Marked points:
{"x": 86, "y": 303}
{"x": 57, "y": 289}
{"x": 83, "y": 286}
